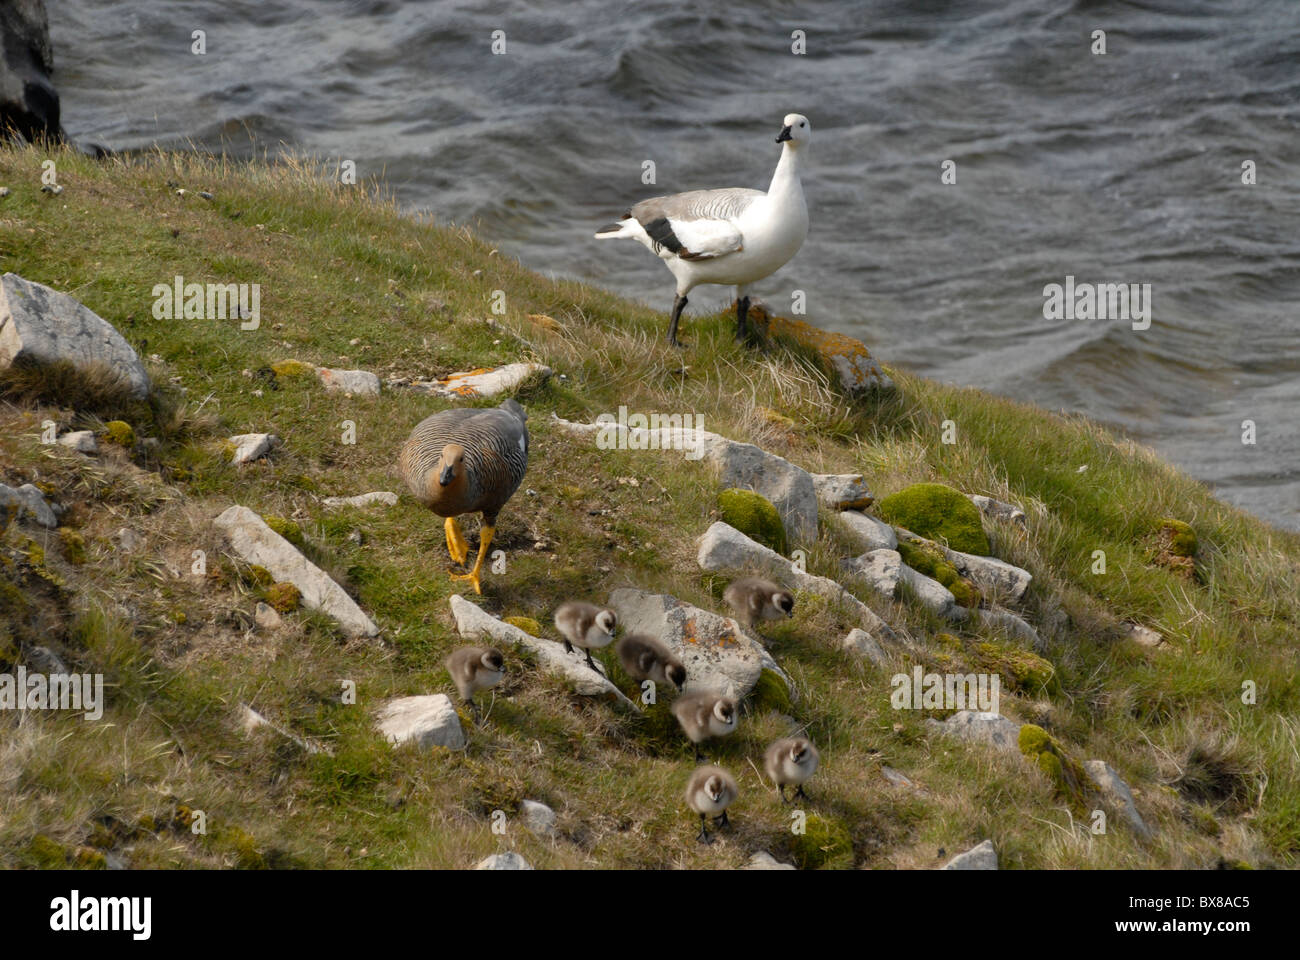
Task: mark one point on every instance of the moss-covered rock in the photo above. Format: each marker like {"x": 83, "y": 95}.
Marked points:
{"x": 74, "y": 546}
{"x": 119, "y": 432}
{"x": 937, "y": 512}
{"x": 1175, "y": 546}
{"x": 527, "y": 624}
{"x": 259, "y": 576}
{"x": 283, "y": 596}
{"x": 927, "y": 560}
{"x": 1017, "y": 668}
{"x": 289, "y": 529}
{"x": 1046, "y": 753}
{"x": 825, "y": 843}
{"x": 753, "y": 515}
{"x": 771, "y": 693}
{"x": 293, "y": 368}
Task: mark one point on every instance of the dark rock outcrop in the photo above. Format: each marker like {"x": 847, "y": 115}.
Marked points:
{"x": 29, "y": 104}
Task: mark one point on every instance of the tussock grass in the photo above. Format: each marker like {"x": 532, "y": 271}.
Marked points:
{"x": 348, "y": 282}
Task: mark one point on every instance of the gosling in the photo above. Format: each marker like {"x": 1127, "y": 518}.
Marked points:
{"x": 709, "y": 792}
{"x": 473, "y": 669}
{"x": 791, "y": 761}
{"x": 586, "y": 626}
{"x": 753, "y": 600}
{"x": 703, "y": 715}
{"x": 645, "y": 658}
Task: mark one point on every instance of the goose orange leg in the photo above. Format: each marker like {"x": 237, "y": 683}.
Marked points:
{"x": 485, "y": 541}
{"x": 456, "y": 545}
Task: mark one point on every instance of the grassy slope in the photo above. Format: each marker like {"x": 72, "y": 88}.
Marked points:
{"x": 348, "y": 282}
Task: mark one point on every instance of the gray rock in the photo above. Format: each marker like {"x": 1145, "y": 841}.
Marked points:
{"x": 716, "y": 651}
{"x": 83, "y": 441}
{"x": 982, "y": 857}
{"x": 475, "y": 623}
{"x": 1144, "y": 635}
{"x": 790, "y": 488}
{"x": 972, "y": 726}
{"x": 871, "y": 534}
{"x": 266, "y": 617}
{"x": 29, "y": 104}
{"x": 27, "y": 503}
{"x": 842, "y": 491}
{"x": 896, "y": 779}
{"x": 994, "y": 577}
{"x": 879, "y": 569}
{"x": 725, "y": 548}
{"x": 252, "y": 446}
{"x": 41, "y": 325}
{"x": 488, "y": 384}
{"x": 1114, "y": 789}
{"x": 503, "y": 861}
{"x": 358, "y": 383}
{"x": 128, "y": 539}
{"x": 931, "y": 594}
{"x": 428, "y": 722}
{"x": 250, "y": 721}
{"x": 361, "y": 500}
{"x": 862, "y": 644}
{"x": 46, "y": 661}
{"x": 998, "y": 510}
{"x": 762, "y": 860}
{"x": 257, "y": 543}
{"x": 538, "y": 818}
{"x": 1010, "y": 624}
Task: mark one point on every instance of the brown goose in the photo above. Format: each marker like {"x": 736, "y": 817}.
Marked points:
{"x": 467, "y": 461}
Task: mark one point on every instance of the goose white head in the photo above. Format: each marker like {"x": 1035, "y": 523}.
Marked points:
{"x": 796, "y": 130}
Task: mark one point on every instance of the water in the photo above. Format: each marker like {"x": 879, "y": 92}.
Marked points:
{"x": 1123, "y": 168}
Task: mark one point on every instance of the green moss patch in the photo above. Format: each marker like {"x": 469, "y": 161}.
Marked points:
{"x": 527, "y": 624}
{"x": 937, "y": 512}
{"x": 753, "y": 515}
{"x": 119, "y": 432}
{"x": 1046, "y": 753}
{"x": 771, "y": 693}
{"x": 825, "y": 843}
{"x": 927, "y": 560}
{"x": 283, "y": 596}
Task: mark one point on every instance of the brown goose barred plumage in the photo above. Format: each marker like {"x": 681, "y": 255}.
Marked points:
{"x": 467, "y": 461}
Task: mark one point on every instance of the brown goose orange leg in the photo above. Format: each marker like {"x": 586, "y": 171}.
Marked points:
{"x": 485, "y": 540}
{"x": 456, "y": 545}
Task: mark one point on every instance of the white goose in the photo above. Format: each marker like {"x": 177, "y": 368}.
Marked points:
{"x": 728, "y": 236}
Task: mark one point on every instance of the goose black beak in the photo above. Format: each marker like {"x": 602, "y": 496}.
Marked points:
{"x": 785, "y": 135}
{"x": 446, "y": 476}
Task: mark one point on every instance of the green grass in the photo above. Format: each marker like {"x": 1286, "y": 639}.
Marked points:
{"x": 348, "y": 282}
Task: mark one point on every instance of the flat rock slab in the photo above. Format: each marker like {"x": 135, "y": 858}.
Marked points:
{"x": 930, "y": 593}
{"x": 83, "y": 441}
{"x": 982, "y": 857}
{"x": 475, "y": 623}
{"x": 725, "y": 548}
{"x": 716, "y": 651}
{"x": 40, "y": 325}
{"x": 870, "y": 533}
{"x": 1012, "y": 625}
{"x": 842, "y": 491}
{"x": 483, "y": 382}
{"x": 994, "y": 577}
{"x": 251, "y": 446}
{"x": 1114, "y": 789}
{"x": 26, "y": 503}
{"x": 998, "y": 509}
{"x": 361, "y": 500}
{"x": 428, "y": 722}
{"x": 503, "y": 861}
{"x": 973, "y": 726}
{"x": 358, "y": 383}
{"x": 789, "y": 487}
{"x": 258, "y": 544}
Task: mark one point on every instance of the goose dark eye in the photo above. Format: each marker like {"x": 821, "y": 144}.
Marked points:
{"x": 801, "y": 124}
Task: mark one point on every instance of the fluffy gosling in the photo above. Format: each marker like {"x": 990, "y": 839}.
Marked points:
{"x": 754, "y": 600}
{"x": 586, "y": 626}
{"x": 645, "y": 658}
{"x": 791, "y": 761}
{"x": 709, "y": 792}
{"x": 703, "y": 715}
{"x": 473, "y": 669}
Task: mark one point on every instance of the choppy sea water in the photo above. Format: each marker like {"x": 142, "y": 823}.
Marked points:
{"x": 1116, "y": 168}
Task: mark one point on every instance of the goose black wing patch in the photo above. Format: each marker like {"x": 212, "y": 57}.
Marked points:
{"x": 661, "y": 232}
